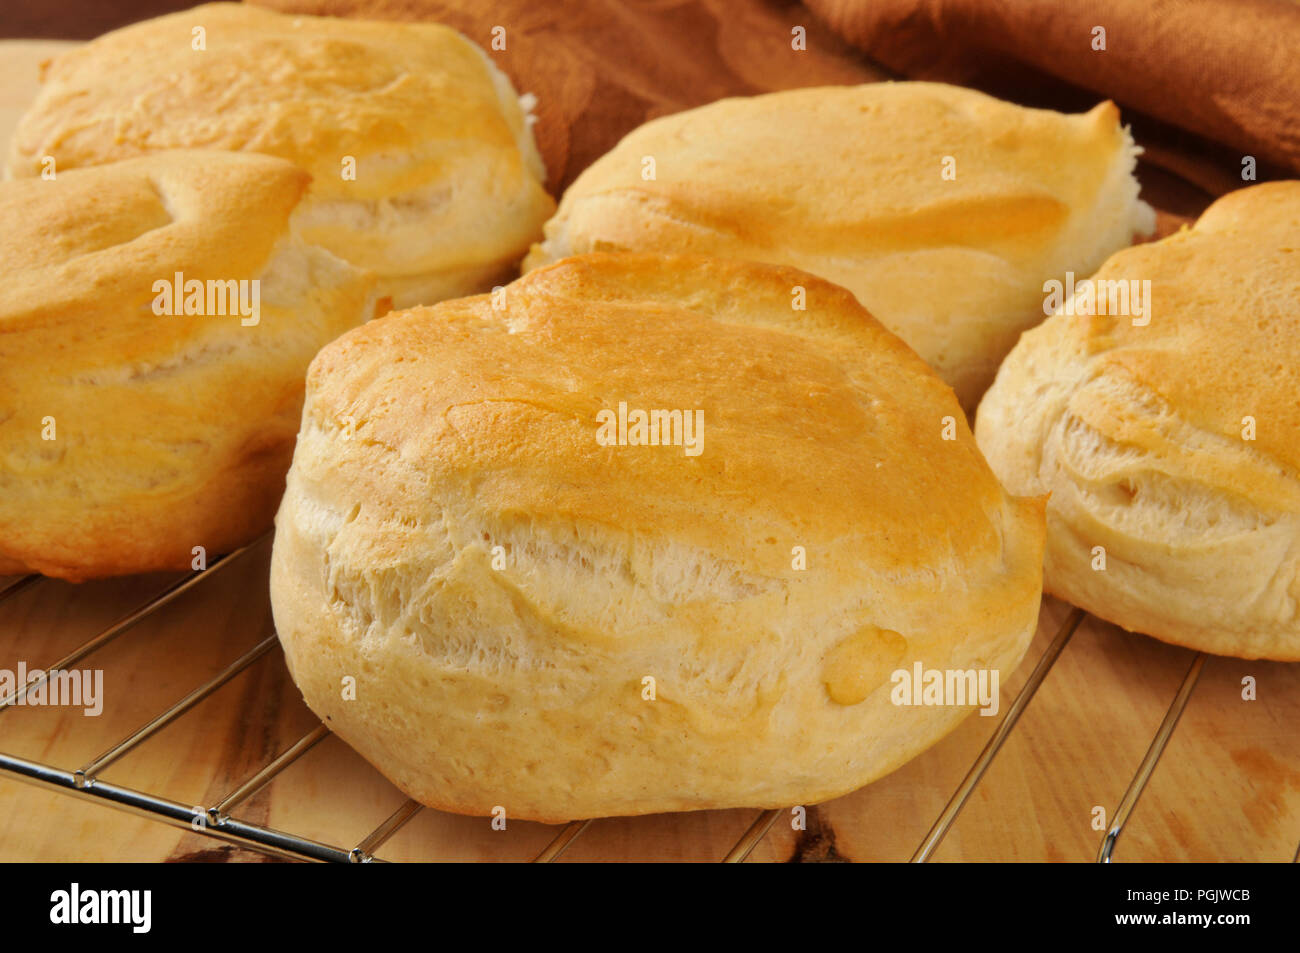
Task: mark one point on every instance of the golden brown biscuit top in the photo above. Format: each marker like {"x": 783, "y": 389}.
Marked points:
{"x": 819, "y": 425}
{"x": 414, "y": 97}
{"x": 1223, "y": 342}
{"x": 84, "y": 249}
{"x": 860, "y": 170}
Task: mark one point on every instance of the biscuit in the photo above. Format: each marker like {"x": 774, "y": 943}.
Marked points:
{"x": 564, "y": 625}
{"x": 1169, "y": 437}
{"x": 942, "y": 209}
{"x": 424, "y": 170}
{"x": 132, "y": 432}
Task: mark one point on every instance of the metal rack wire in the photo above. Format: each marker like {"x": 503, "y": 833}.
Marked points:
{"x": 219, "y": 822}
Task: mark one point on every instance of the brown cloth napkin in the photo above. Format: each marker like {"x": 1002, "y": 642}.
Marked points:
{"x": 1227, "y": 72}
{"x": 600, "y": 68}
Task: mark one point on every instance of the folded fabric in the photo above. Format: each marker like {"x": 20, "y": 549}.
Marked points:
{"x": 1227, "y": 72}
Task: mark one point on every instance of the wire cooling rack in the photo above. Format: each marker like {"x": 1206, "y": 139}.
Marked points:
{"x": 221, "y": 823}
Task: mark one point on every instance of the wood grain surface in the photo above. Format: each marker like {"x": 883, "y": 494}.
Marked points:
{"x": 1228, "y": 787}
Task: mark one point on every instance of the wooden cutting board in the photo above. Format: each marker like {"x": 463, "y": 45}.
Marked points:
{"x": 1228, "y": 787}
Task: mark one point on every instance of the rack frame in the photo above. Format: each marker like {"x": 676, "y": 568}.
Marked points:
{"x": 219, "y": 823}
